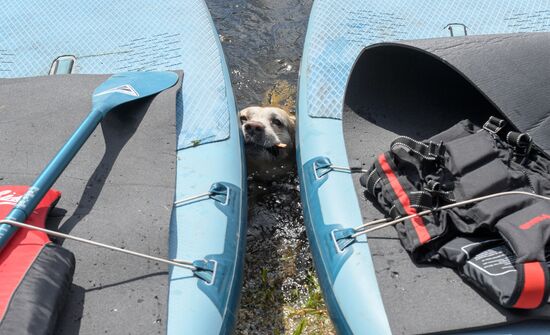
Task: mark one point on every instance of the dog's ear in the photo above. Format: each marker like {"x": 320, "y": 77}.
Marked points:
{"x": 292, "y": 119}
{"x": 243, "y": 115}
{"x": 292, "y": 127}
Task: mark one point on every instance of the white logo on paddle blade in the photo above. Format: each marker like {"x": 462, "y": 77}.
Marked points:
{"x": 124, "y": 89}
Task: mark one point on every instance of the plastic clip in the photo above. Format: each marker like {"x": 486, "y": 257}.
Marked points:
{"x": 206, "y": 270}
{"x": 342, "y": 238}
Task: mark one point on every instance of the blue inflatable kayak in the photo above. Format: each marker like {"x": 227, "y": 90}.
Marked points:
{"x": 209, "y": 211}
{"x": 355, "y": 97}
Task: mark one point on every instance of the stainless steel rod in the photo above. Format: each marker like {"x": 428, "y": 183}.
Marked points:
{"x": 360, "y": 230}
{"x": 182, "y": 264}
{"x": 191, "y": 198}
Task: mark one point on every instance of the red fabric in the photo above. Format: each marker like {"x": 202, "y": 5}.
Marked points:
{"x": 534, "y": 221}
{"x": 25, "y": 245}
{"x": 417, "y": 222}
{"x": 534, "y": 283}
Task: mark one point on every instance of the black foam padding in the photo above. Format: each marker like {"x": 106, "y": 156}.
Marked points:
{"x": 399, "y": 90}
{"x": 510, "y": 70}
{"x": 118, "y": 190}
{"x": 40, "y": 296}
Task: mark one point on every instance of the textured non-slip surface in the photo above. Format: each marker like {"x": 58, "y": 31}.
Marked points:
{"x": 401, "y": 91}
{"x": 515, "y": 79}
{"x": 120, "y": 36}
{"x": 118, "y": 190}
{"x": 339, "y": 29}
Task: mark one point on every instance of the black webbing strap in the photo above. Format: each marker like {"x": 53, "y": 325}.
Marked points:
{"x": 370, "y": 179}
{"x": 420, "y": 200}
{"x": 429, "y": 151}
{"x": 430, "y": 195}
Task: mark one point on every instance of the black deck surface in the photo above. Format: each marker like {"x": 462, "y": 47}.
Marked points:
{"x": 118, "y": 190}
{"x": 401, "y": 92}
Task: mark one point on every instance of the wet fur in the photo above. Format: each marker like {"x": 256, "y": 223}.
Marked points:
{"x": 264, "y": 130}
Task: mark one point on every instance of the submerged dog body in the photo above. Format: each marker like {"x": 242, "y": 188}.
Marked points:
{"x": 269, "y": 140}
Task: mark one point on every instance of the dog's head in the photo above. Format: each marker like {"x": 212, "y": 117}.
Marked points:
{"x": 268, "y": 133}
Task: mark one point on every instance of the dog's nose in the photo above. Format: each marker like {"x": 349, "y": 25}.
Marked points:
{"x": 254, "y": 127}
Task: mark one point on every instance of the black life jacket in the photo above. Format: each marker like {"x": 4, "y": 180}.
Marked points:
{"x": 498, "y": 244}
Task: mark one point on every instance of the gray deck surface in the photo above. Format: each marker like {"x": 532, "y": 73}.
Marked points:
{"x": 386, "y": 97}
{"x": 118, "y": 190}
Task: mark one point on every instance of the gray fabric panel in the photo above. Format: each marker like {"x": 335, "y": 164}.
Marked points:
{"x": 39, "y": 298}
{"x": 118, "y": 190}
{"x": 512, "y": 70}
{"x": 399, "y": 91}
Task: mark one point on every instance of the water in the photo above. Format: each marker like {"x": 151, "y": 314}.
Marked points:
{"x": 263, "y": 41}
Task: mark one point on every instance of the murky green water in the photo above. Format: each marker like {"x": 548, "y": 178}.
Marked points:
{"x": 263, "y": 40}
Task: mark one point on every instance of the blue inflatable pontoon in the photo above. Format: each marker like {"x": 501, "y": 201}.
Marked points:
{"x": 374, "y": 70}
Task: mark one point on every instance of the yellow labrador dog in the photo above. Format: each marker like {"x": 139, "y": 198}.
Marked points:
{"x": 269, "y": 140}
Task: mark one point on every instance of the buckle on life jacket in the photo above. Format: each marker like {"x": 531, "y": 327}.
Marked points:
{"x": 494, "y": 125}
{"x": 522, "y": 144}
{"x": 430, "y": 151}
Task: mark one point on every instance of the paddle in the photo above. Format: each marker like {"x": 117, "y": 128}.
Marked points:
{"x": 115, "y": 91}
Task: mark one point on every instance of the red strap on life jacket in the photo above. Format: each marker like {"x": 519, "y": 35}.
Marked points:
{"x": 417, "y": 222}
{"x": 21, "y": 251}
{"x": 534, "y": 284}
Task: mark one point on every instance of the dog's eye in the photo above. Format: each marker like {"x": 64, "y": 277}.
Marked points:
{"x": 277, "y": 122}
{"x": 243, "y": 118}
